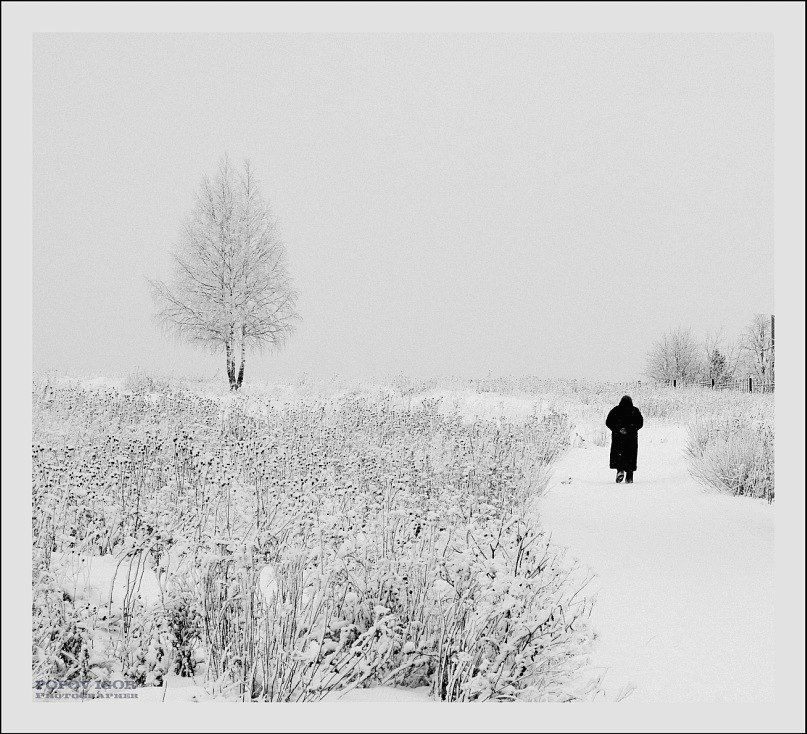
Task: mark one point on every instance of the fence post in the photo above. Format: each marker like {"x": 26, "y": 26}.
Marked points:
{"x": 713, "y": 383}
{"x": 750, "y": 384}
{"x": 674, "y": 383}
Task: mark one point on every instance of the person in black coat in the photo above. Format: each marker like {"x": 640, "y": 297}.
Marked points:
{"x": 624, "y": 420}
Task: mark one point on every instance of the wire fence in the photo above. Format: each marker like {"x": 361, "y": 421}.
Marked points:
{"x": 742, "y": 384}
{"x": 536, "y": 384}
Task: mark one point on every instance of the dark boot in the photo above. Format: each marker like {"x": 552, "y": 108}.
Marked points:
{"x": 620, "y": 475}
{"x": 629, "y": 477}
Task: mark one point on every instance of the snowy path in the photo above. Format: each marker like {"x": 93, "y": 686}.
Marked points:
{"x": 685, "y": 579}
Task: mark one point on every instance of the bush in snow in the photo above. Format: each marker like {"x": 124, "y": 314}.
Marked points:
{"x": 733, "y": 455}
{"x": 62, "y": 633}
{"x": 509, "y": 623}
{"x": 185, "y": 625}
{"x": 143, "y": 649}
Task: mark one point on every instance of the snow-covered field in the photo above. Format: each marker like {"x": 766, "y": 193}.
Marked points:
{"x": 397, "y": 542}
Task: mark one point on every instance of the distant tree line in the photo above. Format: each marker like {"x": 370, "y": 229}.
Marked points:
{"x": 678, "y": 355}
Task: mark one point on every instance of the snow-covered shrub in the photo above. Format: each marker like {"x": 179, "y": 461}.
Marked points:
{"x": 312, "y": 638}
{"x": 144, "y": 651}
{"x": 230, "y": 621}
{"x": 184, "y": 622}
{"x": 62, "y": 633}
{"x": 508, "y": 623}
{"x": 733, "y": 455}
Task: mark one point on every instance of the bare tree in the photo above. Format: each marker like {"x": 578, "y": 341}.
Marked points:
{"x": 231, "y": 288}
{"x": 757, "y": 343}
{"x": 675, "y": 356}
{"x": 721, "y": 357}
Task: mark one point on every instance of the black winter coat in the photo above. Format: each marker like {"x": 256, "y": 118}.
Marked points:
{"x": 624, "y": 420}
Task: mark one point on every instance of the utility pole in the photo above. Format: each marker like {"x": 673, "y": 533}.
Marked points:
{"x": 773, "y": 350}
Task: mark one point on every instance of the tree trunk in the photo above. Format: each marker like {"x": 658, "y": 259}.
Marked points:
{"x": 243, "y": 359}
{"x": 228, "y": 346}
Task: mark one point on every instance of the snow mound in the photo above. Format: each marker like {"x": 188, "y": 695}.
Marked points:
{"x": 101, "y": 580}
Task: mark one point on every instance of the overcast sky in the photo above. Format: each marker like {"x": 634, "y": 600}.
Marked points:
{"x": 536, "y": 204}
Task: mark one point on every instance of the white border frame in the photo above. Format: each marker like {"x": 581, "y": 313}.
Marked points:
{"x": 20, "y": 20}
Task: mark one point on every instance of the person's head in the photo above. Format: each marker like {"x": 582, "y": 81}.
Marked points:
{"x": 626, "y": 402}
